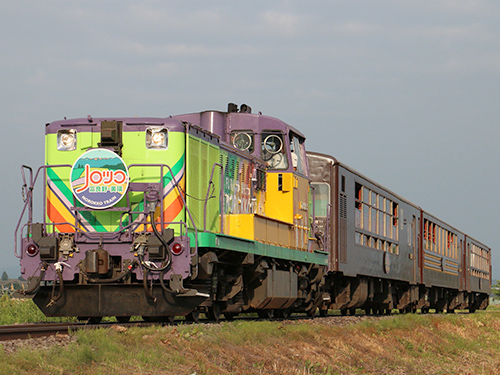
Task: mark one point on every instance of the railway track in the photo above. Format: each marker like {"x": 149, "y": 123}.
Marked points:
{"x": 24, "y": 331}
{"x": 34, "y": 330}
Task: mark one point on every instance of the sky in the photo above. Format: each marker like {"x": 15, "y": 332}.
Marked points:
{"x": 405, "y": 92}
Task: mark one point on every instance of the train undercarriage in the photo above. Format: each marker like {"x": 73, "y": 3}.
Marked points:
{"x": 222, "y": 283}
{"x": 227, "y": 283}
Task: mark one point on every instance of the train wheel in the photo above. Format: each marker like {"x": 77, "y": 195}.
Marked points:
{"x": 352, "y": 311}
{"x": 193, "y": 316}
{"x": 166, "y": 319}
{"x": 323, "y": 313}
{"x": 311, "y": 313}
{"x": 266, "y": 314}
{"x": 95, "y": 319}
{"x": 122, "y": 319}
{"x": 343, "y": 312}
{"x": 283, "y": 314}
{"x": 229, "y": 316}
{"x": 213, "y": 313}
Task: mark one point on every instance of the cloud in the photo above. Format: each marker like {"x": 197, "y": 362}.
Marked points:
{"x": 284, "y": 24}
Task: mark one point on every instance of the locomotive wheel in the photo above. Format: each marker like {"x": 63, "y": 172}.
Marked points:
{"x": 213, "y": 313}
{"x": 229, "y": 316}
{"x": 323, "y": 313}
{"x": 193, "y": 316}
{"x": 283, "y": 314}
{"x": 166, "y": 319}
{"x": 343, "y": 312}
{"x": 266, "y": 314}
{"x": 352, "y": 311}
{"x": 122, "y": 319}
{"x": 311, "y": 313}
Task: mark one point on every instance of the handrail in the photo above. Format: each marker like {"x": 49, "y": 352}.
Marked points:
{"x": 176, "y": 184}
{"x": 327, "y": 229}
{"x": 33, "y": 181}
{"x": 29, "y": 198}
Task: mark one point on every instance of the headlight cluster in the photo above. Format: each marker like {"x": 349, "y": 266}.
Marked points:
{"x": 66, "y": 140}
{"x": 157, "y": 138}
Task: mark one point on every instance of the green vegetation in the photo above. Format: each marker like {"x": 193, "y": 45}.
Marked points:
{"x": 14, "y": 311}
{"x": 495, "y": 289}
{"x": 399, "y": 344}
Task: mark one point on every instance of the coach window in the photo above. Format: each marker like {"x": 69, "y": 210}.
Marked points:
{"x": 358, "y": 205}
{"x": 358, "y": 195}
{"x": 321, "y": 198}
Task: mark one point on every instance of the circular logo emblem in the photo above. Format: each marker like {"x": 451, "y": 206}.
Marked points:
{"x": 99, "y": 178}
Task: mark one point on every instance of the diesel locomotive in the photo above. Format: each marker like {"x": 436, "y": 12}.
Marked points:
{"x": 222, "y": 213}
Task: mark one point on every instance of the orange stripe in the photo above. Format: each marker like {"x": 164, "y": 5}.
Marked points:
{"x": 56, "y": 217}
{"x": 173, "y": 210}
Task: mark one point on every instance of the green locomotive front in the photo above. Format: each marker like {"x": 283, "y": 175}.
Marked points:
{"x": 151, "y": 217}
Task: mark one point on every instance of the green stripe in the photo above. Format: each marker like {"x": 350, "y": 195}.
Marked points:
{"x": 60, "y": 184}
{"x": 175, "y": 170}
{"x": 224, "y": 242}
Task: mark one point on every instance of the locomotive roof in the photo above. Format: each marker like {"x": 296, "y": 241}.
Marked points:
{"x": 239, "y": 121}
{"x": 130, "y": 122}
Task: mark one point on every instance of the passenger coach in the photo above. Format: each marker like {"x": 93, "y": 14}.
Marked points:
{"x": 386, "y": 252}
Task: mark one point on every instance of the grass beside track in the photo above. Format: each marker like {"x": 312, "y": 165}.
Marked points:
{"x": 399, "y": 344}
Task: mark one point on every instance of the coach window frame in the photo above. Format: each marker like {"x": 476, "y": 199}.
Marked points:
{"x": 376, "y": 219}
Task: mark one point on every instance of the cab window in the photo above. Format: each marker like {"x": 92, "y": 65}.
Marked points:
{"x": 274, "y": 150}
{"x": 298, "y": 154}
